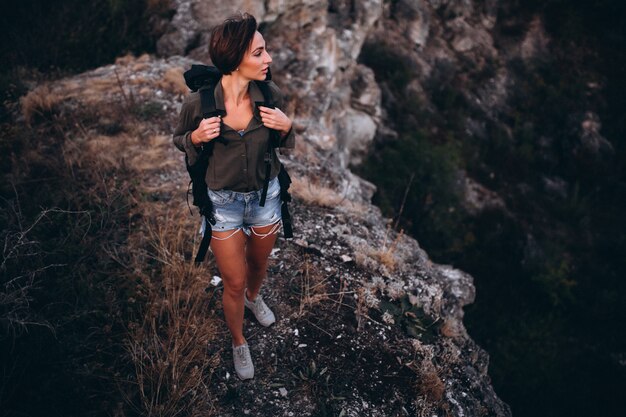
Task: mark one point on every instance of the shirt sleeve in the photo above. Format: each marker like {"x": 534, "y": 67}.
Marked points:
{"x": 187, "y": 123}
{"x": 288, "y": 140}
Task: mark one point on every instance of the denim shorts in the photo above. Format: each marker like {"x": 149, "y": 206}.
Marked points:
{"x": 234, "y": 210}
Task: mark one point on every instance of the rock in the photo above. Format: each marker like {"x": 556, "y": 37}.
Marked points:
{"x": 182, "y": 30}
{"x": 355, "y": 130}
{"x": 418, "y": 18}
{"x": 555, "y": 186}
{"x": 535, "y": 43}
{"x": 478, "y": 198}
{"x": 591, "y": 140}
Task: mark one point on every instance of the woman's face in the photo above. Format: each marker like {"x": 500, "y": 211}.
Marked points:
{"x": 256, "y": 60}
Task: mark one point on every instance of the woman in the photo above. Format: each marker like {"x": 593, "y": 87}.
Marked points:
{"x": 245, "y": 232}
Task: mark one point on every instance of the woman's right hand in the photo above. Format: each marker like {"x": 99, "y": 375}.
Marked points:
{"x": 207, "y": 130}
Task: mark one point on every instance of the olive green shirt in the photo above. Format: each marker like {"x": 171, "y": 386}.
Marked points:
{"x": 237, "y": 162}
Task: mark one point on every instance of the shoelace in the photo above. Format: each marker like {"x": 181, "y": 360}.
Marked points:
{"x": 241, "y": 353}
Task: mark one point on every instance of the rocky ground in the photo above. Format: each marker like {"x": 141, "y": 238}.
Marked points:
{"x": 354, "y": 340}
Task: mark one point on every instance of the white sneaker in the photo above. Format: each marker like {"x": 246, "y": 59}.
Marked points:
{"x": 261, "y": 311}
{"x": 243, "y": 361}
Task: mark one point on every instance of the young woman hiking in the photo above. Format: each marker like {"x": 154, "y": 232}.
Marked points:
{"x": 245, "y": 232}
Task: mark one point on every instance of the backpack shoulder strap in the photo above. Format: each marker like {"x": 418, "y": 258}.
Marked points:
{"x": 268, "y": 101}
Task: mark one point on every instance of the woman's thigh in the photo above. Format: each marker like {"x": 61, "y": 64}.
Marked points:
{"x": 229, "y": 250}
{"x": 260, "y": 244}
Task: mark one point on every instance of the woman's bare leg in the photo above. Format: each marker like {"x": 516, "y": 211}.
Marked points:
{"x": 230, "y": 255}
{"x": 257, "y": 252}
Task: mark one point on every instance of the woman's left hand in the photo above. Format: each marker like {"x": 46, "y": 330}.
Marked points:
{"x": 275, "y": 119}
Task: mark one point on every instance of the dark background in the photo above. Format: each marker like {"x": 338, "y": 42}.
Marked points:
{"x": 551, "y": 289}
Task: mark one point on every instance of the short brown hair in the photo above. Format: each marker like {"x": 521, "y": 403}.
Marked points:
{"x": 230, "y": 40}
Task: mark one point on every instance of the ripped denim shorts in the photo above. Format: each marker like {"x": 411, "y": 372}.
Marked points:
{"x": 235, "y": 210}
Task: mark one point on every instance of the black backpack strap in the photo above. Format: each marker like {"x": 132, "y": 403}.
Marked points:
{"x": 272, "y": 143}
{"x": 284, "y": 180}
{"x": 207, "y": 101}
{"x": 204, "y": 243}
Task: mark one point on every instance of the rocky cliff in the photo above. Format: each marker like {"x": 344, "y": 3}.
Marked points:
{"x": 368, "y": 325}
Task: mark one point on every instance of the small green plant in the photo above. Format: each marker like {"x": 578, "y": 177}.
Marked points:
{"x": 412, "y": 319}
{"x": 320, "y": 382}
{"x": 312, "y": 373}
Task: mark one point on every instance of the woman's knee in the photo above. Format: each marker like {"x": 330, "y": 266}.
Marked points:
{"x": 234, "y": 286}
{"x": 257, "y": 264}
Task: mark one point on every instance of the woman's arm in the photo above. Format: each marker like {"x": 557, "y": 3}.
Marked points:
{"x": 186, "y": 125}
{"x": 192, "y": 130}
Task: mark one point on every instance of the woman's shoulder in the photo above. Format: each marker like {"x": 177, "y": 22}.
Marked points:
{"x": 192, "y": 99}
{"x": 277, "y": 95}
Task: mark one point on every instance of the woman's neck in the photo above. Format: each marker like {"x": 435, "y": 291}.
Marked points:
{"x": 235, "y": 88}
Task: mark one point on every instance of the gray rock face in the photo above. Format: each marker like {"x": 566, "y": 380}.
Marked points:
{"x": 591, "y": 140}
{"x": 182, "y": 31}
{"x": 314, "y": 46}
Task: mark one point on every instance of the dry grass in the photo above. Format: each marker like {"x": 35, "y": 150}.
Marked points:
{"x": 319, "y": 195}
{"x": 169, "y": 324}
{"x": 430, "y": 389}
{"x": 429, "y": 384}
{"x": 386, "y": 254}
{"x": 174, "y": 82}
{"x": 168, "y": 347}
{"x": 362, "y": 307}
{"x": 144, "y": 155}
{"x": 313, "y": 288}
{"x": 384, "y": 257}
{"x": 39, "y": 104}
{"x": 450, "y": 328}
{"x": 19, "y": 274}
{"x": 128, "y": 59}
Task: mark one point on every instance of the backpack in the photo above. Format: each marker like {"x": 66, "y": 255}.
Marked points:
{"x": 203, "y": 78}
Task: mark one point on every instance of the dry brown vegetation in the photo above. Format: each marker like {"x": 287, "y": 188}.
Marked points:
{"x": 429, "y": 386}
{"x": 450, "y": 328}
{"x": 168, "y": 345}
{"x": 384, "y": 256}
{"x": 174, "y": 82}
{"x": 153, "y": 297}
{"x": 39, "y": 104}
{"x": 312, "y": 288}
{"x": 311, "y": 193}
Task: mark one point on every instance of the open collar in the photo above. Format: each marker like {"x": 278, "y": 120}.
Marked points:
{"x": 256, "y": 96}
